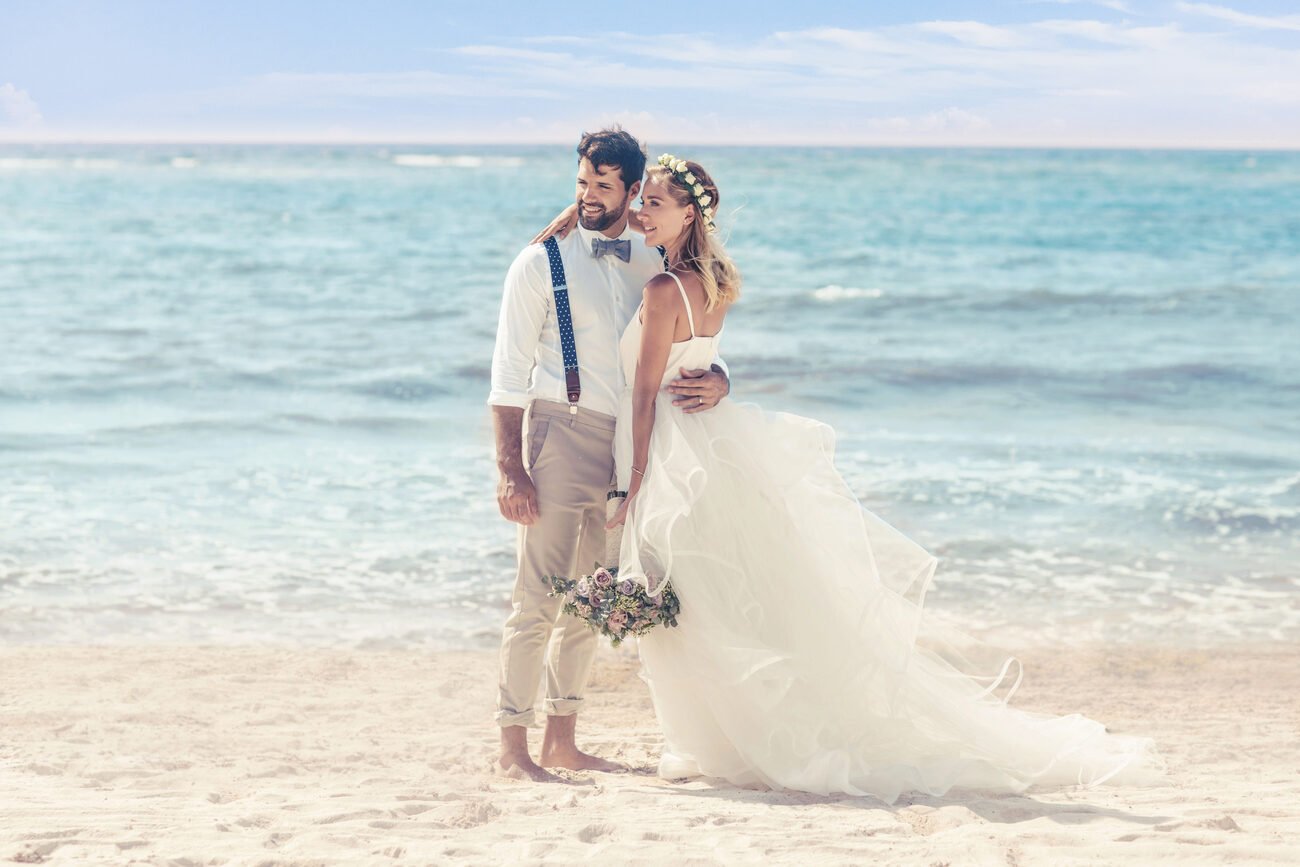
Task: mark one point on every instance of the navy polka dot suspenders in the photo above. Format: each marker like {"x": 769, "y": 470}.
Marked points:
{"x": 569, "y": 348}
{"x": 560, "y": 287}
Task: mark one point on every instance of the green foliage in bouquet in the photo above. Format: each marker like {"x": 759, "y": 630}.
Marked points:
{"x": 613, "y": 608}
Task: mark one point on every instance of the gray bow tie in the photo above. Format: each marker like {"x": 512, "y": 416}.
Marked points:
{"x": 622, "y": 249}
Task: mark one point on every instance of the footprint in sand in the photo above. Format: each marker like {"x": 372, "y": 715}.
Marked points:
{"x": 344, "y": 817}
{"x": 277, "y": 771}
{"x": 276, "y": 840}
{"x": 1222, "y": 823}
{"x": 592, "y": 833}
{"x": 424, "y": 796}
{"x": 414, "y": 809}
{"x": 43, "y": 770}
{"x": 475, "y": 814}
{"x": 253, "y": 821}
{"x": 576, "y": 798}
{"x": 937, "y": 821}
{"x": 35, "y": 853}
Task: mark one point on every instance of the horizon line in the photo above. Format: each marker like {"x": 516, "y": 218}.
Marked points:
{"x": 1062, "y": 144}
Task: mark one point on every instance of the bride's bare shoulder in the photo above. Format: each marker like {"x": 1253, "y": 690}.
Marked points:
{"x": 660, "y": 290}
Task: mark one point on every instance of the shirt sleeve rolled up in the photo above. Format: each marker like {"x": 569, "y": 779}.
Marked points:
{"x": 525, "y": 304}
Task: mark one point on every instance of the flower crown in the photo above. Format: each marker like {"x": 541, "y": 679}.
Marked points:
{"x": 703, "y": 199}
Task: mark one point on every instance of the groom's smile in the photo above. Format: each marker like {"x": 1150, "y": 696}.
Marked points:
{"x": 602, "y": 196}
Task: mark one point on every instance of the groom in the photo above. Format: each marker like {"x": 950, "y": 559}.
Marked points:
{"x": 557, "y": 496}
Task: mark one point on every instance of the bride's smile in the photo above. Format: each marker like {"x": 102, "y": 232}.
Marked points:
{"x": 661, "y": 218}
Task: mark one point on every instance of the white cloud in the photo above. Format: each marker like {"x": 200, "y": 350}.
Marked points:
{"x": 1100, "y": 92}
{"x": 18, "y": 107}
{"x": 1245, "y": 19}
{"x": 941, "y": 82}
{"x": 1115, "y": 5}
{"x": 973, "y": 33}
{"x": 288, "y": 87}
{"x": 1048, "y": 81}
{"x": 947, "y": 120}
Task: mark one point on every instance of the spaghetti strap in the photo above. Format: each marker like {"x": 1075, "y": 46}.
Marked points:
{"x": 690, "y": 319}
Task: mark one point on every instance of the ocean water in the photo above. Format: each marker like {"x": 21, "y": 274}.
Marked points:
{"x": 242, "y": 390}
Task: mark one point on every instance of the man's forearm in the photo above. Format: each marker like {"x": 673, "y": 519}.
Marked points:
{"x": 508, "y": 425}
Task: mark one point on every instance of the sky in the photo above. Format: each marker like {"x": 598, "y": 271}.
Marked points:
{"x": 1103, "y": 73}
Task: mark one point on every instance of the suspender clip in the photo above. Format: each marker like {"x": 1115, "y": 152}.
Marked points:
{"x": 573, "y": 388}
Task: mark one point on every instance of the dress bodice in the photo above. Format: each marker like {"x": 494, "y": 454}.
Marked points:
{"x": 695, "y": 352}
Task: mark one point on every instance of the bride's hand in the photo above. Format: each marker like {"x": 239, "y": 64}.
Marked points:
{"x": 561, "y": 226}
{"x": 621, "y": 515}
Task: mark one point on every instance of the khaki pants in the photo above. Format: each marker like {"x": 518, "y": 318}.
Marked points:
{"x": 571, "y": 461}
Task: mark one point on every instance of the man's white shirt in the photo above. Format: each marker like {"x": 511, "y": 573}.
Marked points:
{"x": 604, "y": 293}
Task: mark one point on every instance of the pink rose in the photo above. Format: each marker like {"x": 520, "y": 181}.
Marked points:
{"x": 626, "y": 587}
{"x": 602, "y": 578}
{"x": 617, "y": 621}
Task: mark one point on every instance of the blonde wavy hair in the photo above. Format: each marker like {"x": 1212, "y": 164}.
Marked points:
{"x": 701, "y": 251}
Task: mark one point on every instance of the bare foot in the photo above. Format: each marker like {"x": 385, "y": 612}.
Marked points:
{"x": 522, "y": 766}
{"x": 575, "y": 759}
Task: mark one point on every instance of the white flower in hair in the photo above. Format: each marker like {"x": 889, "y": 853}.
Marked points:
{"x": 680, "y": 167}
{"x": 708, "y": 212}
{"x": 699, "y": 190}
{"x": 704, "y": 200}
{"x": 690, "y": 178}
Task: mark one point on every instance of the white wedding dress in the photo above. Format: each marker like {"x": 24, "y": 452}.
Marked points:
{"x": 802, "y": 659}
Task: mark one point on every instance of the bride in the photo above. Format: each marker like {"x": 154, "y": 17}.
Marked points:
{"x": 801, "y": 660}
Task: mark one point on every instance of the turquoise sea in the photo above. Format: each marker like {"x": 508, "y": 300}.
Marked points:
{"x": 242, "y": 390}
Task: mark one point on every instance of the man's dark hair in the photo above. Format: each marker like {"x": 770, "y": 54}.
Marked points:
{"x": 614, "y": 147}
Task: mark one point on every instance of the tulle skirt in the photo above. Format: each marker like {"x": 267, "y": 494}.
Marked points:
{"x": 802, "y": 660}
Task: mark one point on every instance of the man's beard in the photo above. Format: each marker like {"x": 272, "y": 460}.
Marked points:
{"x": 601, "y": 221}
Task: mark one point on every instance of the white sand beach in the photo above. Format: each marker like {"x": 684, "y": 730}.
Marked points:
{"x": 188, "y": 755}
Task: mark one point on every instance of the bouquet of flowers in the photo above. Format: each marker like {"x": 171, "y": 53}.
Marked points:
{"x": 614, "y": 608}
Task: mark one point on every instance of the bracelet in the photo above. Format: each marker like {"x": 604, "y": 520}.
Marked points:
{"x": 635, "y": 470}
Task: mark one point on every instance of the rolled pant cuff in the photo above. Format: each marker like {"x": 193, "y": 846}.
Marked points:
{"x": 506, "y": 718}
{"x": 562, "y": 706}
